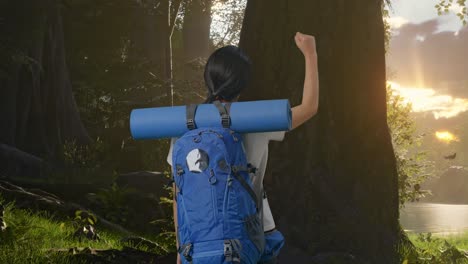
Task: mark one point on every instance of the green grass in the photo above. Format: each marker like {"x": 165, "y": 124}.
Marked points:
{"x": 458, "y": 240}
{"x": 439, "y": 249}
{"x": 29, "y": 238}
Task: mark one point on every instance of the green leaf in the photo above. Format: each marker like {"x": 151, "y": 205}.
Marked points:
{"x": 94, "y": 218}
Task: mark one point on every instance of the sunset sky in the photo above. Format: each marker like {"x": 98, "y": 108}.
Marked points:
{"x": 427, "y": 61}
{"x": 418, "y": 11}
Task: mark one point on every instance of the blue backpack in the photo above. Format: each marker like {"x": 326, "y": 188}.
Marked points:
{"x": 217, "y": 209}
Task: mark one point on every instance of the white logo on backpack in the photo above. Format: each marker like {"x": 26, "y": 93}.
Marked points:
{"x": 197, "y": 160}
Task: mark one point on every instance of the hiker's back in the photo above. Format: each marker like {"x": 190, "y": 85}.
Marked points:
{"x": 217, "y": 211}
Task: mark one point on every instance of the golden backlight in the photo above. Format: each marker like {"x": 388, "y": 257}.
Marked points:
{"x": 446, "y": 136}
{"x": 425, "y": 99}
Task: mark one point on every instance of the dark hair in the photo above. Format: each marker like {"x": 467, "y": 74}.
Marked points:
{"x": 227, "y": 72}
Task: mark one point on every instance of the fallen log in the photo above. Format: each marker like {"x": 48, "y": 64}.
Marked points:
{"x": 15, "y": 162}
{"x": 42, "y": 201}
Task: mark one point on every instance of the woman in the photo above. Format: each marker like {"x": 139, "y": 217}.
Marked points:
{"x": 227, "y": 72}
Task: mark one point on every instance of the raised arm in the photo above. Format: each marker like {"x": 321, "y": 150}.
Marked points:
{"x": 310, "y": 95}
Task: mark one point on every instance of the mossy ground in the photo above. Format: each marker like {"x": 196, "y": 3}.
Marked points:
{"x": 33, "y": 237}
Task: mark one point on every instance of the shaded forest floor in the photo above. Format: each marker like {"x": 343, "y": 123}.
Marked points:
{"x": 37, "y": 226}
{"x": 40, "y": 231}
{"x": 41, "y": 238}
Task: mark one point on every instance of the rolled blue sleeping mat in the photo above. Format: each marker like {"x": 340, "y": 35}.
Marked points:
{"x": 246, "y": 117}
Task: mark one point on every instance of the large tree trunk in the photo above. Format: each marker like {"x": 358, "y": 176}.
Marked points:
{"x": 196, "y": 29}
{"x": 38, "y": 110}
{"x": 196, "y": 42}
{"x": 153, "y": 38}
{"x": 333, "y": 181}
{"x": 150, "y": 34}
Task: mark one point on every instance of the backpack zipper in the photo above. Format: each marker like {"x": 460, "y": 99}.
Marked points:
{"x": 211, "y": 131}
{"x": 226, "y": 199}
{"x": 213, "y": 194}
{"x": 185, "y": 213}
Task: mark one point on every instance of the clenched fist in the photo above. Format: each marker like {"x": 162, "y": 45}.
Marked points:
{"x": 306, "y": 43}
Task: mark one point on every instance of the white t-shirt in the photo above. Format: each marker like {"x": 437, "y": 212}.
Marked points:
{"x": 256, "y": 150}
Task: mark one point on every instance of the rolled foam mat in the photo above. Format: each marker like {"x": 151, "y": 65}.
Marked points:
{"x": 246, "y": 117}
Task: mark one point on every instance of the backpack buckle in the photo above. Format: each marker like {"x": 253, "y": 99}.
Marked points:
{"x": 190, "y": 116}
{"x": 179, "y": 170}
{"x": 231, "y": 251}
{"x": 251, "y": 168}
{"x": 228, "y": 250}
{"x": 225, "y": 120}
{"x": 191, "y": 124}
{"x": 185, "y": 250}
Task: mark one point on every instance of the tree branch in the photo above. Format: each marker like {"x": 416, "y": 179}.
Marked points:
{"x": 174, "y": 13}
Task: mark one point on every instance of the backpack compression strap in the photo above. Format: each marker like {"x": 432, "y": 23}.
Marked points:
{"x": 190, "y": 115}
{"x": 224, "y": 112}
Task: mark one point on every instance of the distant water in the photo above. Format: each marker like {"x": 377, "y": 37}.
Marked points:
{"x": 435, "y": 218}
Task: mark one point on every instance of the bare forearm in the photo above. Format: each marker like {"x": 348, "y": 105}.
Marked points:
{"x": 310, "y": 95}
{"x": 311, "y": 84}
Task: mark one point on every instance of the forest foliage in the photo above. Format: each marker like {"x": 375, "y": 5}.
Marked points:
{"x": 111, "y": 74}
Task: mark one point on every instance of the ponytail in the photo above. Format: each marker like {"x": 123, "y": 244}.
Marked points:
{"x": 227, "y": 72}
{"x": 210, "y": 99}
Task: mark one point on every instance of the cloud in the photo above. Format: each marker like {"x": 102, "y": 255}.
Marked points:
{"x": 423, "y": 57}
{"x": 397, "y": 22}
{"x": 428, "y": 100}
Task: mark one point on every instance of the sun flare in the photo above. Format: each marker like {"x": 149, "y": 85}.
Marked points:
{"x": 445, "y": 136}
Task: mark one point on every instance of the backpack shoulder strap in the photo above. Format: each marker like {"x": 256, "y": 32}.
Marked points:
{"x": 246, "y": 186}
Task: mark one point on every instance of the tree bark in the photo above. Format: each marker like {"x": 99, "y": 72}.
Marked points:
{"x": 152, "y": 37}
{"x": 38, "y": 108}
{"x": 196, "y": 29}
{"x": 149, "y": 34}
{"x": 17, "y": 162}
{"x": 333, "y": 182}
